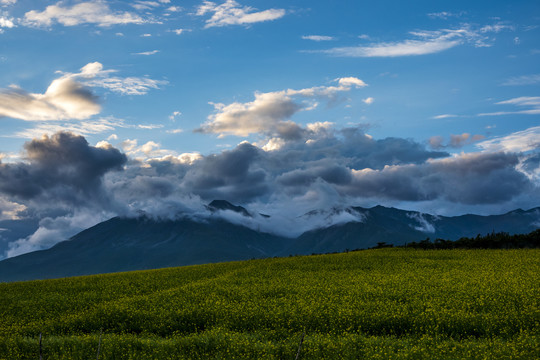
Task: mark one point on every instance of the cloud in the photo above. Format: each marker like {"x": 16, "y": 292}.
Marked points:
{"x": 69, "y": 96}
{"x": 456, "y": 141}
{"x": 7, "y": 2}
{"x": 368, "y": 100}
{"x": 232, "y": 13}
{"x": 85, "y": 127}
{"x": 520, "y": 141}
{"x": 62, "y": 177}
{"x": 10, "y": 210}
{"x": 63, "y": 99}
{"x": 93, "y": 74}
{"x": 52, "y": 230}
{"x": 90, "y": 12}
{"x": 6, "y": 22}
{"x": 317, "y": 37}
{"x": 444, "y": 15}
{"x": 64, "y": 166}
{"x": 270, "y": 112}
{"x": 425, "y": 42}
{"x": 444, "y": 116}
{"x": 468, "y": 179}
{"x": 529, "y": 101}
{"x": 179, "y": 31}
{"x": 153, "y": 52}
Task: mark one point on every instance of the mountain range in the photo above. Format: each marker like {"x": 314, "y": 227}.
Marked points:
{"x": 125, "y": 244}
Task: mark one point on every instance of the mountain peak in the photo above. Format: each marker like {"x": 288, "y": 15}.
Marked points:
{"x": 216, "y": 205}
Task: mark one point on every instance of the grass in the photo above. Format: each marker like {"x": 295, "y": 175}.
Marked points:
{"x": 373, "y": 304}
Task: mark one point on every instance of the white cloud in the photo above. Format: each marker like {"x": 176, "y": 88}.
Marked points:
{"x": 174, "y": 9}
{"x": 426, "y": 42}
{"x": 6, "y": 22}
{"x": 145, "y": 5}
{"x": 147, "y": 35}
{"x": 317, "y": 37}
{"x": 7, "y": 2}
{"x": 10, "y": 210}
{"x": 63, "y": 99}
{"x": 92, "y": 74}
{"x": 175, "y": 131}
{"x": 84, "y": 127}
{"x": 270, "y": 112}
{"x": 368, "y": 100}
{"x": 146, "y": 53}
{"x": 96, "y": 12}
{"x": 232, "y": 13}
{"x": 520, "y": 141}
{"x": 522, "y": 80}
{"x": 175, "y": 114}
{"x": 444, "y": 15}
{"x": 54, "y": 230}
{"x": 444, "y": 116}
{"x": 530, "y": 101}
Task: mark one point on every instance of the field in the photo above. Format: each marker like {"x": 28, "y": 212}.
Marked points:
{"x": 373, "y": 304}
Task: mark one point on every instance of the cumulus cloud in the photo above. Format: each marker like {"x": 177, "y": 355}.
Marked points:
{"x": 64, "y": 99}
{"x": 62, "y": 168}
{"x": 423, "y": 43}
{"x": 483, "y": 178}
{"x": 270, "y": 112}
{"x": 90, "y": 12}
{"x": 6, "y": 21}
{"x": 69, "y": 96}
{"x": 232, "y": 13}
{"x": 324, "y": 167}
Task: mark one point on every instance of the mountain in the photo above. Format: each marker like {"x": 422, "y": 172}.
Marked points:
{"x": 123, "y": 244}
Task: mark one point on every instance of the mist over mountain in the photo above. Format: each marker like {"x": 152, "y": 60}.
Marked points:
{"x": 232, "y": 233}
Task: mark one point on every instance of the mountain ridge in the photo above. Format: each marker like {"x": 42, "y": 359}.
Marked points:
{"x": 136, "y": 243}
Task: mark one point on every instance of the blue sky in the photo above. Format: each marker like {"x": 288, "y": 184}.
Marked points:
{"x": 286, "y": 106}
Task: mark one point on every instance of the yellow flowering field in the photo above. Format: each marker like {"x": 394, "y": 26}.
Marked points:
{"x": 372, "y": 304}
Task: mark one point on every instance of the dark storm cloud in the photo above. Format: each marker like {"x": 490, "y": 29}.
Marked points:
{"x": 484, "y": 178}
{"x": 62, "y": 167}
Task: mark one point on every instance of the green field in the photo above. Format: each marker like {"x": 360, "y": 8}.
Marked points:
{"x": 373, "y": 304}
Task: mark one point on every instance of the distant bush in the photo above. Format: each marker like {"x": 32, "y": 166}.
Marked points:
{"x": 501, "y": 240}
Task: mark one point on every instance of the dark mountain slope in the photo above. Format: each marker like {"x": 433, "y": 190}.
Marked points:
{"x": 123, "y": 244}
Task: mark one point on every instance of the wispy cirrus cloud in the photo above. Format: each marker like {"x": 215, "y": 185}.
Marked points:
{"x": 520, "y": 141}
{"x": 522, "y": 80}
{"x": 532, "y": 102}
{"x": 445, "y": 14}
{"x": 93, "y": 74}
{"x": 232, "y": 13}
{"x": 318, "y": 37}
{"x": 90, "y": 12}
{"x": 422, "y": 43}
{"x": 146, "y": 53}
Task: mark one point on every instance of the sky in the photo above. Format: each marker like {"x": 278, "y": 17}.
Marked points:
{"x": 114, "y": 108}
